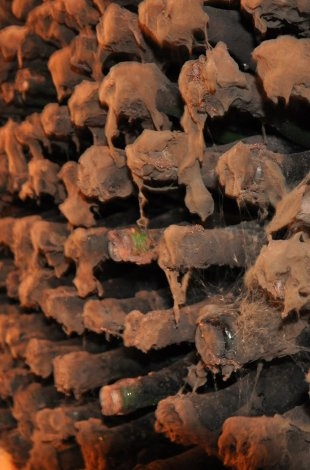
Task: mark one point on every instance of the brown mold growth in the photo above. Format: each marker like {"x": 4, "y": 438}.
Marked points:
{"x": 266, "y": 441}
{"x": 209, "y": 85}
{"x": 104, "y": 447}
{"x": 75, "y": 207}
{"x": 160, "y": 327}
{"x": 197, "y": 418}
{"x": 277, "y": 14}
{"x": 229, "y": 337}
{"x": 65, "y": 306}
{"x": 118, "y": 30}
{"x": 63, "y": 76}
{"x": 137, "y": 91}
{"x": 80, "y": 371}
{"x": 108, "y": 315}
{"x": 56, "y": 121}
{"x": 11, "y": 39}
{"x": 117, "y": 70}
{"x": 282, "y": 270}
{"x": 175, "y": 24}
{"x": 184, "y": 248}
{"x": 39, "y": 354}
{"x": 31, "y": 84}
{"x": 16, "y": 160}
{"x": 162, "y": 156}
{"x": 250, "y": 174}
{"x": 43, "y": 21}
{"x": 42, "y": 173}
{"x": 47, "y": 239}
{"x": 84, "y": 48}
{"x": 283, "y": 67}
{"x": 76, "y": 13}
{"x": 20, "y": 329}
{"x": 87, "y": 247}
{"x": 59, "y": 423}
{"x": 43, "y": 180}
{"x": 85, "y": 110}
{"x": 293, "y": 211}
{"x": 100, "y": 178}
{"x": 32, "y": 284}
{"x": 58, "y": 127}
{"x": 30, "y": 134}
{"x": 21, "y": 241}
{"x": 6, "y": 231}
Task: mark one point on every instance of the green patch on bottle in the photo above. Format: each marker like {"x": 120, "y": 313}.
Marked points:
{"x": 140, "y": 240}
